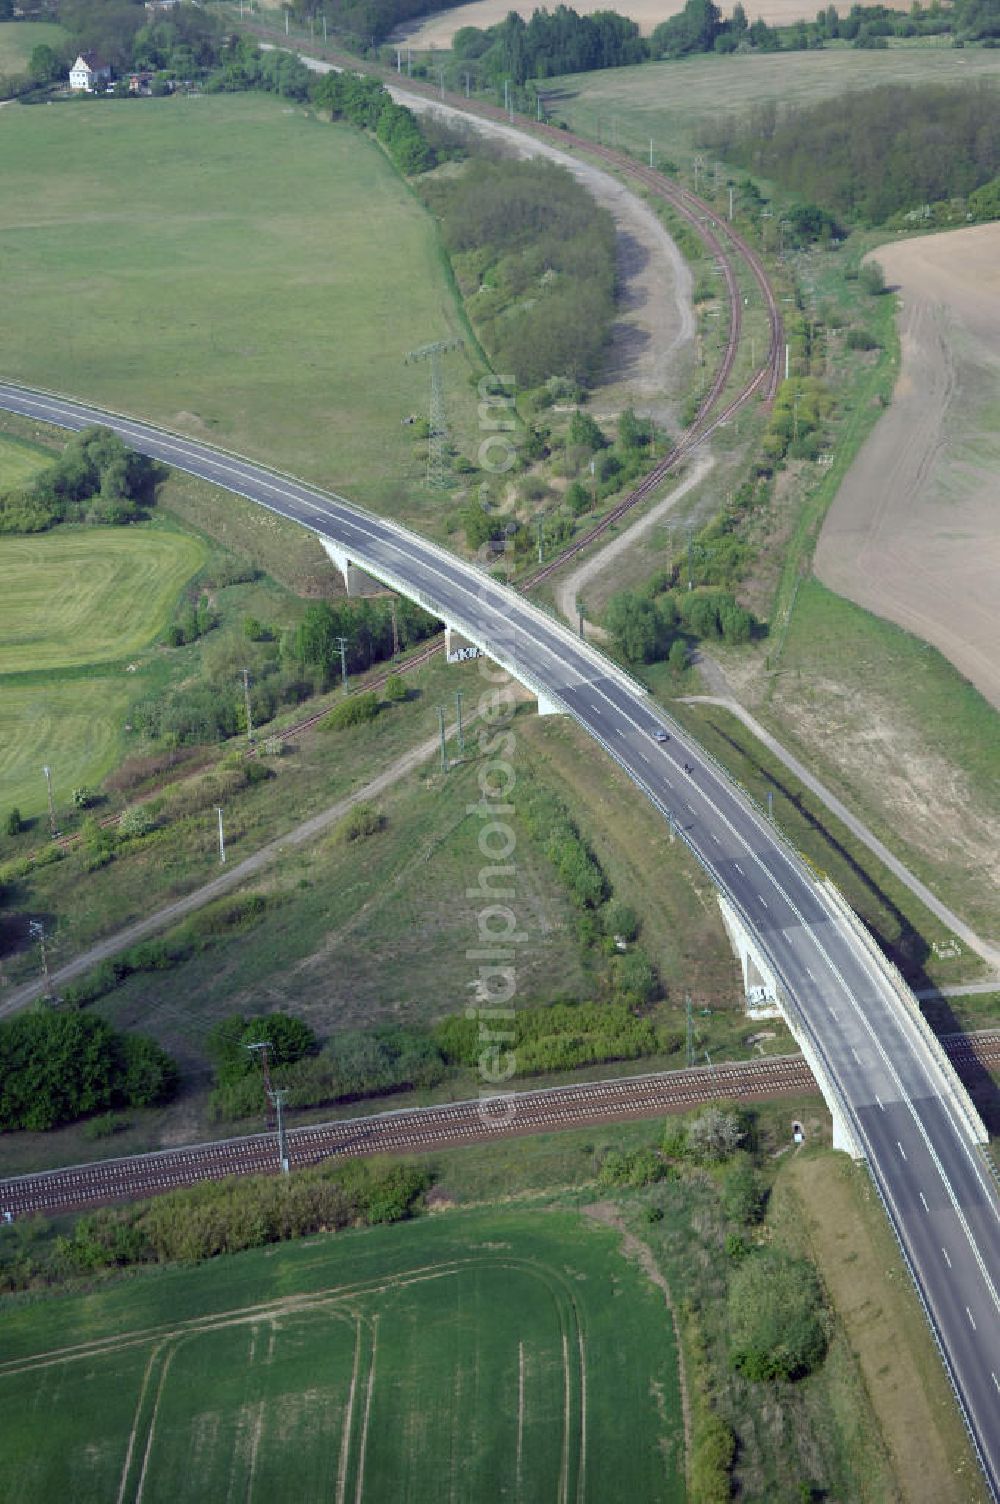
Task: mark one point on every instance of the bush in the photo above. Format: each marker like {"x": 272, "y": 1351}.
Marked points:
{"x": 359, "y": 823}
{"x": 134, "y": 822}
{"x": 396, "y": 689}
{"x": 776, "y": 1317}
{"x": 353, "y": 712}
{"x": 744, "y": 1195}
{"x": 57, "y": 1067}
{"x": 872, "y": 279}
{"x": 15, "y": 824}
{"x": 860, "y": 339}
{"x": 638, "y": 1168}
{"x": 714, "y": 1135}
{"x": 619, "y": 919}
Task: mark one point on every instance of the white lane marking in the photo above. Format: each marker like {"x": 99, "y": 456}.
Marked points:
{"x": 714, "y": 837}
{"x": 971, "y": 1319}
{"x": 810, "y": 975}
{"x": 948, "y": 1261}
{"x": 900, "y": 1148}
{"x": 923, "y": 1201}
{"x": 739, "y": 869}
{"x": 996, "y": 1381}
{"x": 832, "y": 1012}
{"x": 643, "y": 756}
{"x": 881, "y": 1105}
{"x": 249, "y": 472}
{"x": 855, "y": 1054}
{"x": 763, "y": 900}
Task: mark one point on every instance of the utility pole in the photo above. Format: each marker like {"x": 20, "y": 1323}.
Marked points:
{"x": 36, "y": 930}
{"x": 541, "y": 537}
{"x": 52, "y": 808}
{"x": 279, "y": 1098}
{"x": 409, "y": 62}
{"x": 788, "y": 359}
{"x": 468, "y": 86}
{"x": 444, "y": 754}
{"x": 441, "y": 78}
{"x": 261, "y": 1047}
{"x": 343, "y": 662}
{"x": 458, "y": 712}
{"x": 222, "y": 839}
{"x": 395, "y": 628}
{"x": 246, "y": 704}
{"x": 324, "y": 26}
{"x": 650, "y": 151}
{"x": 286, "y": 23}
{"x": 690, "y": 1029}
{"x": 730, "y": 203}
{"x": 770, "y": 804}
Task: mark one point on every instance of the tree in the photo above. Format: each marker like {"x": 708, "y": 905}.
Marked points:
{"x": 714, "y": 1135}
{"x": 776, "y": 1317}
{"x": 678, "y": 656}
{"x": 872, "y": 278}
{"x": 743, "y": 1193}
{"x": 396, "y": 689}
{"x": 636, "y": 627}
{"x": 585, "y": 432}
{"x": 45, "y": 65}
{"x": 56, "y": 1067}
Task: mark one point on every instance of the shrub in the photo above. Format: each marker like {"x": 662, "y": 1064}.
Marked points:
{"x": 15, "y": 824}
{"x": 872, "y": 279}
{"x": 638, "y": 1168}
{"x": 860, "y": 339}
{"x": 776, "y": 1317}
{"x": 620, "y": 919}
{"x": 134, "y": 821}
{"x": 396, "y": 689}
{"x": 359, "y": 823}
{"x": 744, "y": 1195}
{"x": 714, "y": 1135}
{"x": 353, "y": 712}
{"x": 57, "y": 1067}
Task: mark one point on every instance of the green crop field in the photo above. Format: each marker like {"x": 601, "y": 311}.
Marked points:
{"x": 19, "y": 462}
{"x": 234, "y": 268}
{"x": 669, "y": 101}
{"x": 74, "y": 724}
{"x": 70, "y": 598}
{"x": 478, "y": 1355}
{"x": 19, "y": 38}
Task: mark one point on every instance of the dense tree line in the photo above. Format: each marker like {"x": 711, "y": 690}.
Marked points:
{"x": 536, "y": 259}
{"x": 551, "y": 42}
{"x": 897, "y": 147}
{"x": 646, "y": 625}
{"x": 56, "y": 1067}
{"x": 366, "y": 103}
{"x": 96, "y": 479}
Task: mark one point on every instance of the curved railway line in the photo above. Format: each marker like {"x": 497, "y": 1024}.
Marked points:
{"x": 423, "y": 1129}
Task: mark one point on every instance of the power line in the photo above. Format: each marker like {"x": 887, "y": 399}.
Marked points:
{"x": 437, "y": 428}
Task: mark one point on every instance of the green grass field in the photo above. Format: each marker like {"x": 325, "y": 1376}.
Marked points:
{"x": 481, "y": 1355}
{"x": 74, "y": 725}
{"x": 18, "y": 39}
{"x": 73, "y": 598}
{"x": 236, "y": 269}
{"x": 19, "y": 461}
{"x": 73, "y": 601}
{"x": 670, "y": 101}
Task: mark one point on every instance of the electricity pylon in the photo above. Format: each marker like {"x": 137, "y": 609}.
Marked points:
{"x": 437, "y": 428}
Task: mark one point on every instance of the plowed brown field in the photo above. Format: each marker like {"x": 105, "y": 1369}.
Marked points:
{"x": 914, "y": 532}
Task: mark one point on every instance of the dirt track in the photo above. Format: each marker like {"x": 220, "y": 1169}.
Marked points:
{"x": 651, "y": 341}
{"x": 913, "y": 533}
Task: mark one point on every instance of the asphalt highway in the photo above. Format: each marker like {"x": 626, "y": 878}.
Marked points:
{"x": 891, "y": 1091}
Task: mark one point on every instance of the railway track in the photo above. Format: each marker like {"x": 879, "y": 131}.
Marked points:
{"x": 422, "y": 1129}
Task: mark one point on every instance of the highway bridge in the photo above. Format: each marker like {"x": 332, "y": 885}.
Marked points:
{"x": 895, "y": 1100}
